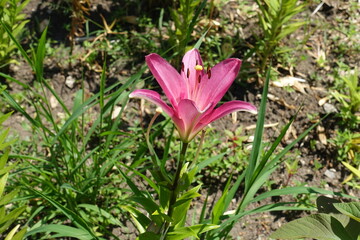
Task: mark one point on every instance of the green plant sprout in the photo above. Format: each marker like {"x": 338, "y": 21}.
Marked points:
{"x": 8, "y": 217}
{"x": 276, "y": 19}
{"x": 185, "y": 18}
{"x": 349, "y": 97}
{"x": 291, "y": 168}
{"x": 10, "y": 15}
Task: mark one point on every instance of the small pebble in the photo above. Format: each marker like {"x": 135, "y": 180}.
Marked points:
{"x": 330, "y": 173}
{"x": 70, "y": 82}
{"x": 329, "y": 108}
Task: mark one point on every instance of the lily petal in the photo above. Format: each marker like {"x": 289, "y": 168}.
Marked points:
{"x": 222, "y": 76}
{"x": 188, "y": 72}
{"x": 228, "y": 108}
{"x": 153, "y": 97}
{"x": 167, "y": 76}
{"x": 189, "y": 116}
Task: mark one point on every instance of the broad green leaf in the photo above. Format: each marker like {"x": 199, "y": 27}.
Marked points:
{"x": 319, "y": 226}
{"x": 183, "y": 203}
{"x": 351, "y": 209}
{"x": 193, "y": 231}
{"x": 149, "y": 236}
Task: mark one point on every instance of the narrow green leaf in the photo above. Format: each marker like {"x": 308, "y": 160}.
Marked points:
{"x": 255, "y": 152}
{"x": 298, "y": 190}
{"x": 19, "y": 235}
{"x": 209, "y": 161}
{"x": 219, "y": 206}
{"x": 62, "y": 231}
{"x": 70, "y": 214}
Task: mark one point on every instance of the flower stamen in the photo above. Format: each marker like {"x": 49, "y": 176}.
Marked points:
{"x": 209, "y": 72}
{"x": 198, "y": 67}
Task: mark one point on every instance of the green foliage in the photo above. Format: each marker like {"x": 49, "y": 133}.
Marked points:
{"x": 347, "y": 93}
{"x": 185, "y": 18}
{"x": 335, "y": 221}
{"x": 169, "y": 198}
{"x": 7, "y": 218}
{"x": 82, "y": 149}
{"x": 277, "y": 21}
{"x": 10, "y": 15}
{"x": 226, "y": 157}
{"x": 262, "y": 163}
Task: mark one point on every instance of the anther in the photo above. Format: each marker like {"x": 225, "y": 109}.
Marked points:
{"x": 199, "y": 78}
{"x": 188, "y": 73}
{"x": 197, "y": 62}
{"x": 209, "y": 73}
{"x": 182, "y": 66}
{"x": 199, "y": 68}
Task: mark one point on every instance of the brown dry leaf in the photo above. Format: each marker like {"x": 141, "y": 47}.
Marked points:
{"x": 321, "y": 134}
{"x": 279, "y": 100}
{"x": 265, "y": 126}
{"x": 130, "y": 19}
{"x": 291, "y": 131}
{"x": 323, "y": 100}
{"x": 289, "y": 81}
{"x": 115, "y": 113}
{"x": 53, "y": 102}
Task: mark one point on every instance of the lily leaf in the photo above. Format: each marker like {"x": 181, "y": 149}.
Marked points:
{"x": 319, "y": 226}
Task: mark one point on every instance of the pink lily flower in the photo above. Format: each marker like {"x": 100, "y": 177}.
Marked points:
{"x": 194, "y": 93}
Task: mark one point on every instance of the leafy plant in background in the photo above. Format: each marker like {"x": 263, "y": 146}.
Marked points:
{"x": 335, "y": 221}
{"x": 347, "y": 140}
{"x": 348, "y": 95}
{"x": 74, "y": 175}
{"x": 276, "y": 19}
{"x": 185, "y": 18}
{"x": 10, "y": 14}
{"x": 7, "y": 218}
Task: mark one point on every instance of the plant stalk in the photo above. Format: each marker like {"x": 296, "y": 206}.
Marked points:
{"x": 175, "y": 184}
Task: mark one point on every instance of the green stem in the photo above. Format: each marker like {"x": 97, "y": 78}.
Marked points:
{"x": 175, "y": 184}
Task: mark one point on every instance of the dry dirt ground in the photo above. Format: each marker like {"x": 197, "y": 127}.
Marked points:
{"x": 282, "y": 104}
